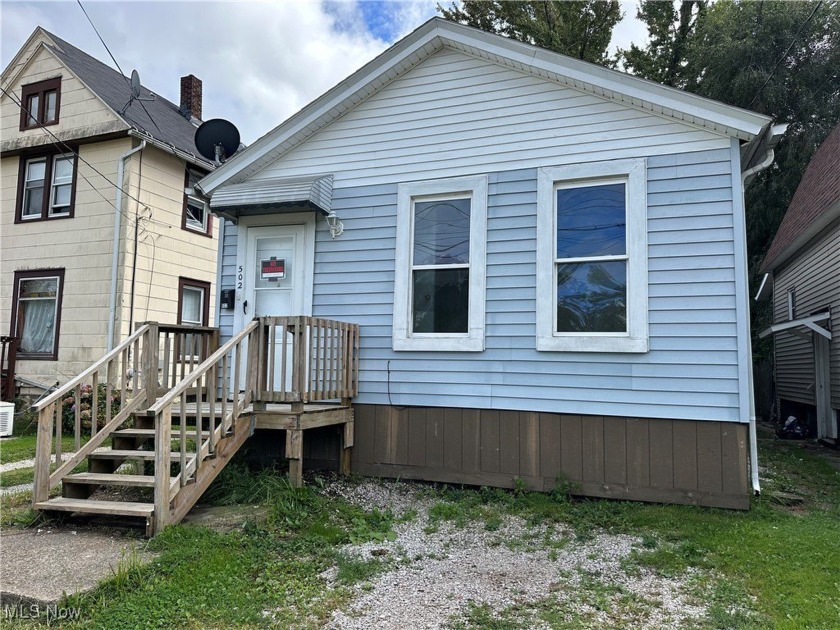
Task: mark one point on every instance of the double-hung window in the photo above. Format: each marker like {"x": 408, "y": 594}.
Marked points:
{"x": 440, "y": 271}
{"x": 41, "y": 102}
{"x": 193, "y": 310}
{"x": 46, "y": 188}
{"x": 592, "y": 258}
{"x": 196, "y": 217}
{"x": 36, "y": 313}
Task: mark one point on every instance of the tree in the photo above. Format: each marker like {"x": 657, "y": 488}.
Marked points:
{"x": 671, "y": 29}
{"x": 581, "y": 29}
{"x": 777, "y": 58}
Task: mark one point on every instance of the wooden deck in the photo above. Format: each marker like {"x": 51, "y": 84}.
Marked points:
{"x": 192, "y": 408}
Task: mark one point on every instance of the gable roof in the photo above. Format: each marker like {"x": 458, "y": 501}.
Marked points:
{"x": 815, "y": 204}
{"x": 167, "y": 125}
{"x": 438, "y": 33}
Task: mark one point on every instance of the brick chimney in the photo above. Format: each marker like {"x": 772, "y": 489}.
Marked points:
{"x": 191, "y": 96}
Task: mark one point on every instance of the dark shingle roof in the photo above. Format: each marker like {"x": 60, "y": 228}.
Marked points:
{"x": 167, "y": 124}
{"x": 818, "y": 191}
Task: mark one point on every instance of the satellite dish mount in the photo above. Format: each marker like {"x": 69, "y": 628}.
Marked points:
{"x": 217, "y": 140}
{"x": 135, "y": 92}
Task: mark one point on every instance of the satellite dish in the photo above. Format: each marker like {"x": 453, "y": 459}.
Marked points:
{"x": 217, "y": 139}
{"x": 135, "y": 84}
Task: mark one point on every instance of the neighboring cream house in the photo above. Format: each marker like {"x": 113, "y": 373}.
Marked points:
{"x": 97, "y": 229}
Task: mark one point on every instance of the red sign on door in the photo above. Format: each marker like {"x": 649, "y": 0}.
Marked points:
{"x": 273, "y": 269}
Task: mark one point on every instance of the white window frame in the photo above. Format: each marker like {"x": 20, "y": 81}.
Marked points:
{"x": 60, "y": 210}
{"x": 475, "y": 188}
{"x": 46, "y": 188}
{"x": 791, "y": 304}
{"x": 634, "y": 173}
{"x": 202, "y": 229}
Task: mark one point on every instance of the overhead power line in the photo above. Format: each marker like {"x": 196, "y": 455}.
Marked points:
{"x": 786, "y": 53}
{"x": 116, "y": 63}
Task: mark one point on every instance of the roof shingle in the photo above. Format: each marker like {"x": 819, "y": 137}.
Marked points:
{"x": 818, "y": 191}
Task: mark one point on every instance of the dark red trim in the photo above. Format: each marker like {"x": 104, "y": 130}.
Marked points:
{"x": 195, "y": 284}
{"x": 40, "y": 88}
{"x": 45, "y": 204}
{"x": 13, "y": 322}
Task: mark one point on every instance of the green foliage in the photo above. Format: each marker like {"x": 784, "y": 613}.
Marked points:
{"x": 777, "y": 58}
{"x": 86, "y": 402}
{"x": 578, "y": 28}
{"x": 352, "y": 569}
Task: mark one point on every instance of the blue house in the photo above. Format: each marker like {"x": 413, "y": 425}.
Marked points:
{"x": 546, "y": 259}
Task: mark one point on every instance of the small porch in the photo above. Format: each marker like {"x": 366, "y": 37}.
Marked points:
{"x": 175, "y": 405}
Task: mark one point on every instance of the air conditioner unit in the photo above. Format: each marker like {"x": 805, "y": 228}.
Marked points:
{"x": 7, "y": 418}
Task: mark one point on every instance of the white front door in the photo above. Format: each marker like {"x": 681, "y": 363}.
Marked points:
{"x": 275, "y": 275}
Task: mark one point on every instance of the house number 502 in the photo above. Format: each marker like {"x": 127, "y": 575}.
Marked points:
{"x": 239, "y": 278}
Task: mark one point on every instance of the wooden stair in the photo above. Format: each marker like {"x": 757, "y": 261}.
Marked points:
{"x": 104, "y": 466}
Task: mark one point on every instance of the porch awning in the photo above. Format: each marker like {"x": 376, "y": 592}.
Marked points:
{"x": 800, "y": 326}
{"x": 269, "y": 195}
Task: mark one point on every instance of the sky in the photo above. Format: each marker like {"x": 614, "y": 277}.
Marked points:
{"x": 260, "y": 62}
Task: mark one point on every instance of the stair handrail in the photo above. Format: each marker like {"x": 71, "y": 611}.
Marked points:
{"x": 69, "y": 385}
{"x": 221, "y": 415}
{"x": 116, "y": 366}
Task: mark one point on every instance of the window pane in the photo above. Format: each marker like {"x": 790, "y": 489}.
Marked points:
{"x": 592, "y": 297}
{"x": 33, "y": 201}
{"x": 195, "y": 215}
{"x": 32, "y": 108}
{"x": 591, "y": 221}
{"x": 35, "y": 170}
{"x": 49, "y": 110}
{"x": 63, "y": 170}
{"x": 441, "y": 300}
{"x": 61, "y": 198}
{"x": 442, "y": 232}
{"x": 36, "y": 315}
{"x": 192, "y": 301}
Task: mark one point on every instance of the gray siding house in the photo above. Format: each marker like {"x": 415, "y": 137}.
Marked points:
{"x": 802, "y": 270}
{"x": 546, "y": 258}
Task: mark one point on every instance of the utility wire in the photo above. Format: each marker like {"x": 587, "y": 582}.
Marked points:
{"x": 116, "y": 63}
{"x": 787, "y": 52}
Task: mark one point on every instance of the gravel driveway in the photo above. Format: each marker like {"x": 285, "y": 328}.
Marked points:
{"x": 442, "y": 576}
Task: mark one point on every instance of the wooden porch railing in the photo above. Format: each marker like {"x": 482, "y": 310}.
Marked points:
{"x": 306, "y": 359}
{"x": 8, "y": 355}
{"x": 219, "y": 401}
{"x": 125, "y": 380}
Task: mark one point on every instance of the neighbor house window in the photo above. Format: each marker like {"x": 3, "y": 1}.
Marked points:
{"x": 791, "y": 304}
{"x": 592, "y": 258}
{"x": 46, "y": 187}
{"x": 41, "y": 102}
{"x": 36, "y": 313}
{"x": 193, "y": 310}
{"x": 193, "y": 302}
{"x": 440, "y": 281}
{"x": 196, "y": 215}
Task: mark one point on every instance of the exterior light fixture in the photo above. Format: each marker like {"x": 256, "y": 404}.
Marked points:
{"x": 336, "y": 226}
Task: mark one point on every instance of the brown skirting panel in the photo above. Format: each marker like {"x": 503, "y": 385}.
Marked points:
{"x": 672, "y": 461}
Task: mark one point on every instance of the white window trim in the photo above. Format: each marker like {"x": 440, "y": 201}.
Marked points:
{"x": 60, "y": 210}
{"x": 633, "y": 171}
{"x": 206, "y": 215}
{"x": 473, "y": 340}
{"x": 46, "y": 188}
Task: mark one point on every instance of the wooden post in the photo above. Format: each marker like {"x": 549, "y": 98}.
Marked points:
{"x": 163, "y": 448}
{"x": 150, "y": 363}
{"x": 294, "y": 453}
{"x": 43, "y": 449}
{"x": 346, "y": 447}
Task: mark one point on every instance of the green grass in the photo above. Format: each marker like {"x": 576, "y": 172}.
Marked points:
{"x": 20, "y": 476}
{"x": 770, "y": 567}
{"x": 15, "y": 449}
{"x": 782, "y": 563}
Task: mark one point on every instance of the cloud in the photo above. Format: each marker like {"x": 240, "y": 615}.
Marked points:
{"x": 260, "y": 62}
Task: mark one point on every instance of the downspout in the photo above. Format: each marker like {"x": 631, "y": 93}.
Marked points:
{"x": 756, "y": 484}
{"x": 115, "y": 258}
